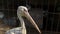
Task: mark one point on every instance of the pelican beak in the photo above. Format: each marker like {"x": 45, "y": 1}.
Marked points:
{"x": 27, "y": 15}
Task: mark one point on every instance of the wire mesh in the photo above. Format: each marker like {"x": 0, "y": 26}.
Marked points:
{"x": 44, "y": 12}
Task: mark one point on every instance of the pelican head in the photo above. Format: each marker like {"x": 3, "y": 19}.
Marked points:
{"x": 23, "y": 11}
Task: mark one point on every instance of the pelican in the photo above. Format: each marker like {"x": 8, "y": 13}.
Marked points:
{"x": 22, "y": 11}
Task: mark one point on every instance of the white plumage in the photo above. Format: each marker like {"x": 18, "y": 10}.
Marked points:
{"x": 22, "y": 11}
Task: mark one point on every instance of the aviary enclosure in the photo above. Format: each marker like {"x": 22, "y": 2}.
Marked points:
{"x": 46, "y": 14}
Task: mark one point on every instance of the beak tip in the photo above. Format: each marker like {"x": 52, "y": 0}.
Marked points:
{"x": 40, "y": 32}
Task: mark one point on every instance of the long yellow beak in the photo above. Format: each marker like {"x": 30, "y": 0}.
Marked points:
{"x": 27, "y": 15}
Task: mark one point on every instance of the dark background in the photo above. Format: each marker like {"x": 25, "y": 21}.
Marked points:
{"x": 46, "y": 13}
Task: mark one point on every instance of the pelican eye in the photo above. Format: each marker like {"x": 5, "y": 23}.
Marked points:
{"x": 25, "y": 10}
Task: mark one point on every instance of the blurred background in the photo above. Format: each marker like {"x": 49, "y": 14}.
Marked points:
{"x": 46, "y": 14}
